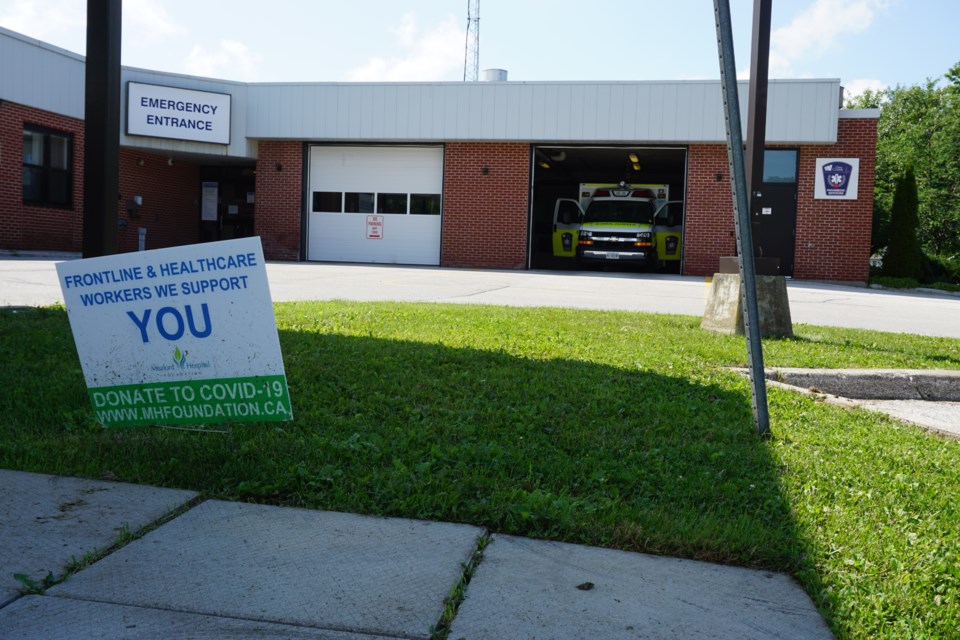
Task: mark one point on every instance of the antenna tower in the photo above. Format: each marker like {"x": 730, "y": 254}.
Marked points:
{"x": 471, "y": 58}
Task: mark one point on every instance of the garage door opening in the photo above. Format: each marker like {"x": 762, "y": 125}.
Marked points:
{"x": 644, "y": 189}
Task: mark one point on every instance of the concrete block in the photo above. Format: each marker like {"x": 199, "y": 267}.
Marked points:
{"x": 46, "y": 618}
{"x": 724, "y": 308}
{"x": 45, "y": 521}
{"x": 540, "y": 590}
{"x": 315, "y": 569}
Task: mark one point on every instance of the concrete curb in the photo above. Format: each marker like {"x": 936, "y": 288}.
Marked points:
{"x": 875, "y": 384}
{"x": 907, "y": 404}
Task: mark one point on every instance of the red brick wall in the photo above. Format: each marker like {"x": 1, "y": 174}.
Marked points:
{"x": 709, "y": 231}
{"x": 485, "y": 215}
{"x": 833, "y": 236}
{"x": 278, "y": 217}
{"x": 171, "y": 200}
{"x": 170, "y": 209}
{"x": 30, "y": 227}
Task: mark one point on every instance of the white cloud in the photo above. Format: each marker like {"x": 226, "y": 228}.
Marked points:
{"x": 64, "y": 22}
{"x": 853, "y": 88}
{"x": 232, "y": 60}
{"x": 50, "y": 21}
{"x": 147, "y": 22}
{"x": 819, "y": 28}
{"x": 434, "y": 55}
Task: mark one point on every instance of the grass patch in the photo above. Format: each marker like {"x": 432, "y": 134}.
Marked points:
{"x": 910, "y": 283}
{"x": 615, "y": 429}
{"x": 944, "y": 286}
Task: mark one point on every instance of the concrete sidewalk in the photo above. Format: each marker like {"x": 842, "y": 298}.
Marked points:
{"x": 210, "y": 569}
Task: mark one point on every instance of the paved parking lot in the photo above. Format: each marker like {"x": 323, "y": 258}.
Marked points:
{"x": 29, "y": 281}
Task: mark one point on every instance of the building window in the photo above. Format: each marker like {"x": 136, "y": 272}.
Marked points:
{"x": 395, "y": 203}
{"x": 47, "y": 168}
{"x": 327, "y": 201}
{"x": 358, "y": 202}
{"x": 780, "y": 166}
{"x": 391, "y": 203}
{"x": 425, "y": 203}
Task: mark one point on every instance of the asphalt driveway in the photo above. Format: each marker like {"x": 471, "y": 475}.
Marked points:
{"x": 31, "y": 281}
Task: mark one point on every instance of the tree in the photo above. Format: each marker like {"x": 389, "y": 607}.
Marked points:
{"x": 904, "y": 255}
{"x": 920, "y": 127}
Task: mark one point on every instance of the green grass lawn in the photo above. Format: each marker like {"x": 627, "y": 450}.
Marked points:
{"x": 615, "y": 429}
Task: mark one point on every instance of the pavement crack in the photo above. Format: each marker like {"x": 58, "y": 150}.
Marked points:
{"x": 481, "y": 292}
{"x": 451, "y": 605}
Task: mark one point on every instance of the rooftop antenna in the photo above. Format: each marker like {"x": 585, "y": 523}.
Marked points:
{"x": 471, "y": 57}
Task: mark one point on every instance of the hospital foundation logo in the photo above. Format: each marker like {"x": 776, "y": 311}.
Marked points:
{"x": 179, "y": 366}
{"x": 836, "y": 178}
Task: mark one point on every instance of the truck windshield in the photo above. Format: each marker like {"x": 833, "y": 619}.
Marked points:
{"x": 632, "y": 211}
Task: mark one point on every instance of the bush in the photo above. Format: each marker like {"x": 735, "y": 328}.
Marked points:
{"x": 904, "y": 256}
{"x": 942, "y": 269}
{"x": 945, "y": 286}
{"x": 895, "y": 283}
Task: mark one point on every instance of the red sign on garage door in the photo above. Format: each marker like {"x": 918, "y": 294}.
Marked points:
{"x": 374, "y": 227}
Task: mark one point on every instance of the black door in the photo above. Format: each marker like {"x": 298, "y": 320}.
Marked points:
{"x": 775, "y": 208}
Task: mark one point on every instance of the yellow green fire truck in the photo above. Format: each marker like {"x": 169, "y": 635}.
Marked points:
{"x": 629, "y": 223}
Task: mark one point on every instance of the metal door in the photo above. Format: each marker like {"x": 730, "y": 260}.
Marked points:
{"x": 774, "y": 207}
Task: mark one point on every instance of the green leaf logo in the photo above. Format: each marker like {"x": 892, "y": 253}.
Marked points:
{"x": 179, "y": 357}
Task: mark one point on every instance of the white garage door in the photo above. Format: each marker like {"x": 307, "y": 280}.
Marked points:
{"x": 375, "y": 204}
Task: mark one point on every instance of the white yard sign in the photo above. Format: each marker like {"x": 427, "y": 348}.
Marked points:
{"x": 184, "y": 335}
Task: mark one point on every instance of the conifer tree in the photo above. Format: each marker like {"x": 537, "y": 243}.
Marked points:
{"x": 904, "y": 255}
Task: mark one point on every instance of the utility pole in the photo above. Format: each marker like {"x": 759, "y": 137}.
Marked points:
{"x": 101, "y": 130}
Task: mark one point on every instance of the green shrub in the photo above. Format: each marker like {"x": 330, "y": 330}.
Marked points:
{"x": 945, "y": 286}
{"x": 895, "y": 283}
{"x": 941, "y": 269}
{"x": 904, "y": 256}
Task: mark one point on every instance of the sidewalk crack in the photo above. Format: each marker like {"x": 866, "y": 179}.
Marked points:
{"x": 451, "y": 605}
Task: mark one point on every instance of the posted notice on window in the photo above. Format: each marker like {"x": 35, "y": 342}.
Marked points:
{"x": 178, "y": 336}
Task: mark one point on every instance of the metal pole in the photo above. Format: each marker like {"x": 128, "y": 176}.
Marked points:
{"x": 101, "y": 130}
{"x": 748, "y": 278}
{"x": 757, "y": 113}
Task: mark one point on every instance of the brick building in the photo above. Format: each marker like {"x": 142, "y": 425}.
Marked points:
{"x": 448, "y": 174}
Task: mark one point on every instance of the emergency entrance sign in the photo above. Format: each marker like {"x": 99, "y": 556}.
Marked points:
{"x": 178, "y": 336}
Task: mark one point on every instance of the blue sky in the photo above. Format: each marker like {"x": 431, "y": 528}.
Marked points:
{"x": 865, "y": 43}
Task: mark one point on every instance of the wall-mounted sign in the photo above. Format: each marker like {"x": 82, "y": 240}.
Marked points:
{"x": 180, "y": 114}
{"x": 209, "y": 201}
{"x": 177, "y": 336}
{"x": 837, "y": 179}
{"x": 374, "y": 227}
